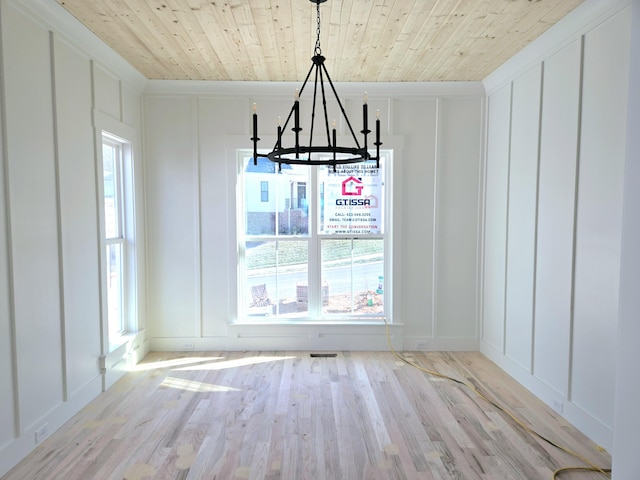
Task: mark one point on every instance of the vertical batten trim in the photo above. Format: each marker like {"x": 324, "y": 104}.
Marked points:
{"x": 482, "y": 182}
{"x": 434, "y": 246}
{"x": 17, "y": 426}
{"x": 575, "y": 218}
{"x": 483, "y": 214}
{"x": 195, "y": 104}
{"x": 56, "y": 166}
{"x": 97, "y": 158}
{"x": 120, "y": 101}
{"x": 506, "y": 238}
{"x": 535, "y": 227}
{"x": 131, "y": 237}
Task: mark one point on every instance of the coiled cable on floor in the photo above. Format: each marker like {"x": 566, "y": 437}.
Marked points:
{"x": 591, "y": 467}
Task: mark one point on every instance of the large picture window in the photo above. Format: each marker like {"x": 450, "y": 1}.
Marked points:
{"x": 317, "y": 249}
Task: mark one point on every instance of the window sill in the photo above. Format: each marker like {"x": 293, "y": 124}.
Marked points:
{"x": 313, "y": 323}
{"x": 121, "y": 340}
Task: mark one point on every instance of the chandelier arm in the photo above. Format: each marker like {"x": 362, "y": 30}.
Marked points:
{"x": 282, "y": 130}
{"x": 324, "y": 108}
{"x": 306, "y": 79}
{"x": 344, "y": 113}
{"x": 313, "y": 109}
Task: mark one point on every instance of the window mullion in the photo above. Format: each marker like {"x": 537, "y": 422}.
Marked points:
{"x": 315, "y": 298}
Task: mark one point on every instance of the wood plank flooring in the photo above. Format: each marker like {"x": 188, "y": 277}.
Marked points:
{"x": 286, "y": 415}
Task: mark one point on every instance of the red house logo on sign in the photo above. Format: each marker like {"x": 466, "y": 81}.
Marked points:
{"x": 352, "y": 186}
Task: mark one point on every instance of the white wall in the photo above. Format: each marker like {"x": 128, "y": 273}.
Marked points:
{"x": 626, "y": 462}
{"x": 553, "y": 223}
{"x": 192, "y": 133}
{"x": 51, "y": 334}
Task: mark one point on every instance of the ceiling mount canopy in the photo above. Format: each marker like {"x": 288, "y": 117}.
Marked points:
{"x": 326, "y": 151}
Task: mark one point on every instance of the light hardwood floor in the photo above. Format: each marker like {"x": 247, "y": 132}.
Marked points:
{"x": 287, "y": 415}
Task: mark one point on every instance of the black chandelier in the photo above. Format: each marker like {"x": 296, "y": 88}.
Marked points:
{"x": 333, "y": 154}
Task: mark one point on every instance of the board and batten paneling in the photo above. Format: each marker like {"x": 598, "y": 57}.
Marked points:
{"x": 579, "y": 109}
{"x": 599, "y": 215}
{"x": 50, "y": 306}
{"x": 34, "y": 216}
{"x": 523, "y": 191}
{"x": 171, "y": 183}
{"x": 495, "y": 222}
{"x": 556, "y": 204}
{"x": 456, "y": 211}
{"x": 191, "y": 167}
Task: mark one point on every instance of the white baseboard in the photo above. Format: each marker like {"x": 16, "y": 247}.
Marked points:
{"x": 431, "y": 344}
{"x": 290, "y": 336}
{"x": 317, "y": 336}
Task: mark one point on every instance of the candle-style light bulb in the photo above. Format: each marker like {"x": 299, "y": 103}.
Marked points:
{"x": 378, "y": 139}
{"x": 335, "y": 144}
{"x": 296, "y": 121}
{"x": 255, "y": 134}
{"x": 279, "y": 134}
{"x": 365, "y": 119}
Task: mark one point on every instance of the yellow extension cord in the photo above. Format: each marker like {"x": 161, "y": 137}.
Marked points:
{"x": 591, "y": 468}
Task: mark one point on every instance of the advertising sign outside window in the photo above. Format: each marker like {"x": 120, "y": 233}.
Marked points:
{"x": 353, "y": 199}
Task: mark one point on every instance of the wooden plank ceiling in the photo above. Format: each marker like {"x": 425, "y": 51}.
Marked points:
{"x": 363, "y": 40}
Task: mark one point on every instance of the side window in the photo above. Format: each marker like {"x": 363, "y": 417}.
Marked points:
{"x": 118, "y": 244}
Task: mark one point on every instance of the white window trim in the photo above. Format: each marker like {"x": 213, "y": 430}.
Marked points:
{"x": 315, "y": 316}
{"x": 127, "y": 239}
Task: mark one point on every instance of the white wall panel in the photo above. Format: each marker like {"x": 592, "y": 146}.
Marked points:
{"x": 78, "y": 217}
{"x": 457, "y": 173}
{"x": 34, "y": 215}
{"x": 558, "y": 152}
{"x": 626, "y": 461}
{"x": 7, "y": 408}
{"x": 172, "y": 218}
{"x": 217, "y": 200}
{"x": 523, "y": 184}
{"x": 417, "y": 196}
{"x": 495, "y": 227}
{"x": 131, "y": 105}
{"x": 599, "y": 215}
{"x": 108, "y": 98}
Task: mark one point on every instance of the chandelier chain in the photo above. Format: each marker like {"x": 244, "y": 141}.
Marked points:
{"x": 317, "y": 50}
